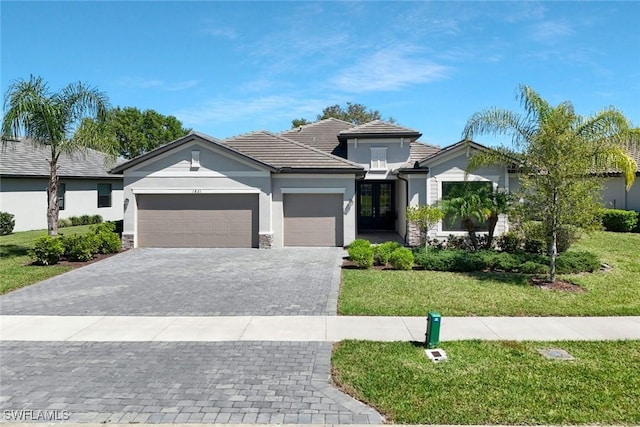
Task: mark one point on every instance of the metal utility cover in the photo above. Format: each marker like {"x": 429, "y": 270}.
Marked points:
{"x": 555, "y": 353}
{"x": 436, "y": 354}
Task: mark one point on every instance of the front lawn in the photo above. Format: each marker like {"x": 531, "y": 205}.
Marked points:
{"x": 414, "y": 293}
{"x": 15, "y": 268}
{"x": 494, "y": 382}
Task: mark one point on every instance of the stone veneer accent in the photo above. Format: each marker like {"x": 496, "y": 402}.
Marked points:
{"x": 127, "y": 241}
{"x": 413, "y": 235}
{"x": 265, "y": 240}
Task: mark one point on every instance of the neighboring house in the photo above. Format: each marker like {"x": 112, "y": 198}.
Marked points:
{"x": 321, "y": 184}
{"x": 86, "y": 186}
{"x": 615, "y": 194}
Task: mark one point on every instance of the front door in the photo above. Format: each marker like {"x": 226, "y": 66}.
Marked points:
{"x": 376, "y": 205}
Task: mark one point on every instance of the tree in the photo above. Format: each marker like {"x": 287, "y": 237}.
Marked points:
{"x": 467, "y": 204}
{"x": 51, "y": 119}
{"x": 560, "y": 155}
{"x": 425, "y": 217}
{"x": 138, "y": 132}
{"x": 356, "y": 114}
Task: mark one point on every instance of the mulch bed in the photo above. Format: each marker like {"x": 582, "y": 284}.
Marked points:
{"x": 540, "y": 282}
{"x": 78, "y": 264}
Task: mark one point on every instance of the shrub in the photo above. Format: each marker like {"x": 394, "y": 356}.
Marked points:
{"x": 119, "y": 226}
{"x": 382, "y": 252}
{"x": 531, "y": 267}
{"x": 619, "y": 220}
{"x": 64, "y": 222}
{"x": 95, "y": 219}
{"x": 503, "y": 261}
{"x": 85, "y": 220}
{"x": 80, "y": 247}
{"x": 75, "y": 221}
{"x": 47, "y": 250}
{"x": 534, "y": 246}
{"x": 7, "y": 223}
{"x": 361, "y": 253}
{"x": 108, "y": 242}
{"x": 509, "y": 242}
{"x": 401, "y": 259}
{"x": 577, "y": 262}
{"x": 567, "y": 236}
{"x": 451, "y": 260}
{"x": 637, "y": 229}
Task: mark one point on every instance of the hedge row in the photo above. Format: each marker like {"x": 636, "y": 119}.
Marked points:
{"x": 365, "y": 255}
{"x": 79, "y": 220}
{"x": 519, "y": 262}
{"x": 102, "y": 239}
{"x": 621, "y": 220}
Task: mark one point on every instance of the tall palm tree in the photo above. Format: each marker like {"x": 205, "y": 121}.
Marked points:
{"x": 560, "y": 155}
{"x": 50, "y": 120}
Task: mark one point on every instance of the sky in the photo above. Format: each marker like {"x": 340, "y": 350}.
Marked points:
{"x": 225, "y": 68}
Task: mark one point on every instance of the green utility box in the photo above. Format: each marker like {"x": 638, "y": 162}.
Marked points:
{"x": 433, "y": 329}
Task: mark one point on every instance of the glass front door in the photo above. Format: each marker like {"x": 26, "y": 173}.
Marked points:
{"x": 376, "y": 205}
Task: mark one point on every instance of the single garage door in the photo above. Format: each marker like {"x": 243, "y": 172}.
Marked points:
{"x": 313, "y": 220}
{"x": 198, "y": 220}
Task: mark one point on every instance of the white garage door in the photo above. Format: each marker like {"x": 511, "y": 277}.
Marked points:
{"x": 313, "y": 220}
{"x": 198, "y": 220}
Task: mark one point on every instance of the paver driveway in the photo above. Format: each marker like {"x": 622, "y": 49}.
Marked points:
{"x": 175, "y": 382}
{"x": 190, "y": 282}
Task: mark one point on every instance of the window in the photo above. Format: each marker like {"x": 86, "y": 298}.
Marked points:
{"x": 104, "y": 195}
{"x": 379, "y": 158}
{"x": 62, "y": 189}
{"x": 455, "y": 189}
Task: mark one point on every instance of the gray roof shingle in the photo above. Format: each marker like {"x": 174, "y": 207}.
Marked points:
{"x": 285, "y": 153}
{"x": 420, "y": 150}
{"x": 379, "y": 128}
{"x": 322, "y": 135}
{"x": 24, "y": 159}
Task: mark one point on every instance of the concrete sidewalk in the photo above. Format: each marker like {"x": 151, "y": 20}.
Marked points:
{"x": 310, "y": 328}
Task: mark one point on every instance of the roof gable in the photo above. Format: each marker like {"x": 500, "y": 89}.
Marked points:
{"x": 285, "y": 153}
{"x": 24, "y": 159}
{"x": 379, "y": 129}
{"x": 191, "y": 137}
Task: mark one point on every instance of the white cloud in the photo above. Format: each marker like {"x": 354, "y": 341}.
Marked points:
{"x": 550, "y": 31}
{"x": 260, "y": 110}
{"x": 224, "y": 32}
{"x": 389, "y": 69}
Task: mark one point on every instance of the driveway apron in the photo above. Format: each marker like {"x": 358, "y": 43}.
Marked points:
{"x": 181, "y": 382}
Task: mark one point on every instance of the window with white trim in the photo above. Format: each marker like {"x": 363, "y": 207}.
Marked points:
{"x": 378, "y": 158}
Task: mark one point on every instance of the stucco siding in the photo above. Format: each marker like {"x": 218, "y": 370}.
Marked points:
{"x": 211, "y": 159}
{"x": 397, "y": 153}
{"x": 401, "y": 207}
{"x": 26, "y": 198}
{"x": 310, "y": 184}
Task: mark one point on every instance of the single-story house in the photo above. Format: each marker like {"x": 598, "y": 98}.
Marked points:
{"x": 86, "y": 186}
{"x": 321, "y": 184}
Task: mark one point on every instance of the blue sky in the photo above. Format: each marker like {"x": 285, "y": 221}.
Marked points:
{"x": 225, "y": 68}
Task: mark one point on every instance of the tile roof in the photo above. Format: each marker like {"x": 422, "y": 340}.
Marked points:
{"x": 286, "y": 153}
{"x": 420, "y": 150}
{"x": 379, "y": 128}
{"x": 322, "y": 135}
{"x": 21, "y": 158}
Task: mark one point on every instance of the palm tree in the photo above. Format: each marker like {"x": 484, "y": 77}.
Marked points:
{"x": 50, "y": 120}
{"x": 560, "y": 155}
{"x": 468, "y": 205}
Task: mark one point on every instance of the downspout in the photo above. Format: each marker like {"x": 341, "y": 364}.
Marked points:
{"x": 406, "y": 201}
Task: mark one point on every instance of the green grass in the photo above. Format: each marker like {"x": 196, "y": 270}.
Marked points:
{"x": 494, "y": 382}
{"x": 414, "y": 293}
{"x": 15, "y": 268}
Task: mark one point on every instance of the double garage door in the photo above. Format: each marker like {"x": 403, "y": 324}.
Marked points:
{"x": 231, "y": 220}
{"x": 198, "y": 220}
